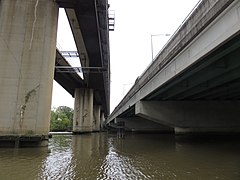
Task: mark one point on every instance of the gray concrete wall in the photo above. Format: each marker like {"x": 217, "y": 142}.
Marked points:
{"x": 138, "y": 124}
{"x": 192, "y": 115}
{"x": 96, "y": 117}
{"x": 28, "y": 31}
{"x": 83, "y": 111}
{"x": 102, "y": 121}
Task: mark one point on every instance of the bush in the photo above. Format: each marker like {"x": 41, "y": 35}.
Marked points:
{"x": 61, "y": 119}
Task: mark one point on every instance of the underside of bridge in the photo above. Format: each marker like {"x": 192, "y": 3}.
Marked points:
{"x": 28, "y": 56}
{"x": 217, "y": 79}
{"x": 89, "y": 23}
{"x": 202, "y": 99}
{"x": 68, "y": 80}
{"x": 187, "y": 95}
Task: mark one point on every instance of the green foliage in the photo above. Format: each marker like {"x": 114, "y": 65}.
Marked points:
{"x": 61, "y": 119}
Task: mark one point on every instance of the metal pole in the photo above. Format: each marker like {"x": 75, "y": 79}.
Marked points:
{"x": 152, "y": 46}
{"x": 152, "y": 41}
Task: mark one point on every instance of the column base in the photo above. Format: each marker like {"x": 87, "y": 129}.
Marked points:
{"x": 82, "y": 129}
{"x": 96, "y": 131}
{"x": 19, "y": 141}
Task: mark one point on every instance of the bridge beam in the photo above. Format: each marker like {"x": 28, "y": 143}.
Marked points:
{"x": 28, "y": 32}
{"x": 139, "y": 124}
{"x": 83, "y": 111}
{"x": 193, "y": 116}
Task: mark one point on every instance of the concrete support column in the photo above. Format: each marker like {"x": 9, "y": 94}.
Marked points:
{"x": 96, "y": 117}
{"x": 83, "y": 111}
{"x": 102, "y": 120}
{"x": 27, "y": 55}
{"x": 193, "y": 116}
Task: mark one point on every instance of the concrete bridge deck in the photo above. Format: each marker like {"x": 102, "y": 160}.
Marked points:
{"x": 193, "y": 83}
{"x": 88, "y": 20}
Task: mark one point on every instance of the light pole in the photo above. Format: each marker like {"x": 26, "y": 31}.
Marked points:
{"x": 152, "y": 41}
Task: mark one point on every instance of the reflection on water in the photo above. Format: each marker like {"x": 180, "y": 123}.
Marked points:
{"x": 140, "y": 156}
{"x": 21, "y": 163}
{"x": 59, "y": 163}
{"x": 119, "y": 166}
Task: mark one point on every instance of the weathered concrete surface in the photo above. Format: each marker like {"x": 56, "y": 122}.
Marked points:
{"x": 138, "y": 124}
{"x": 83, "y": 111}
{"x": 27, "y": 54}
{"x": 89, "y": 24}
{"x": 190, "y": 116}
{"x": 102, "y": 121}
{"x": 19, "y": 141}
{"x": 213, "y": 23}
{"x": 96, "y": 117}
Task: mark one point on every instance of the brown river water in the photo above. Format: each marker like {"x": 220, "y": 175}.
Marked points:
{"x": 137, "y": 156}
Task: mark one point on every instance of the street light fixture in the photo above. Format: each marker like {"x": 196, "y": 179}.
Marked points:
{"x": 152, "y": 41}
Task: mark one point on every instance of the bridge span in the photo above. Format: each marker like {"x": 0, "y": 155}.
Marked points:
{"x": 193, "y": 84}
{"x": 29, "y": 62}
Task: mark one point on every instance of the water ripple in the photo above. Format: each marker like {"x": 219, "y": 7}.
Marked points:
{"x": 117, "y": 166}
{"x": 102, "y": 157}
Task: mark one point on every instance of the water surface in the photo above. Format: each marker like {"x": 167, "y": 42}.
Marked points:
{"x": 138, "y": 156}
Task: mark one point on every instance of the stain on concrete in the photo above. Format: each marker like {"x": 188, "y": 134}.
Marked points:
{"x": 23, "y": 107}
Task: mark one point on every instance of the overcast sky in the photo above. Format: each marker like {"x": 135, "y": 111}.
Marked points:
{"x": 130, "y": 43}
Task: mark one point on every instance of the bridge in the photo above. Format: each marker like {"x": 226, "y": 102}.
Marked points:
{"x": 193, "y": 84}
{"x": 30, "y": 62}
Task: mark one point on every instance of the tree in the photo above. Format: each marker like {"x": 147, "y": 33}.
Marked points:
{"x": 61, "y": 119}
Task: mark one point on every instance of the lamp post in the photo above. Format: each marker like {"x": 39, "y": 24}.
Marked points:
{"x": 152, "y": 41}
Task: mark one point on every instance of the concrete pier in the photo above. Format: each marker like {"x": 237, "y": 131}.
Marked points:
{"x": 96, "y": 118}
{"x": 83, "y": 111}
{"x": 102, "y": 120}
{"x": 27, "y": 54}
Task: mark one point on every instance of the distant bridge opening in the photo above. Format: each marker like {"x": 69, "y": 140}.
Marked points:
{"x": 67, "y": 48}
